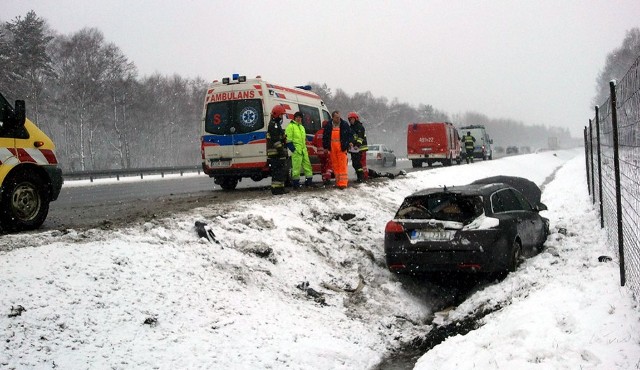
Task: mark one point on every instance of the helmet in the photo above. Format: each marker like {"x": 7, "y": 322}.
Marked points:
{"x": 352, "y": 115}
{"x": 277, "y": 111}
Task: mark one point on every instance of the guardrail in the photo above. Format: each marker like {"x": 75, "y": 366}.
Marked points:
{"x": 117, "y": 173}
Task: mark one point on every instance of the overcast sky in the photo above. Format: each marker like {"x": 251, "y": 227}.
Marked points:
{"x": 534, "y": 61}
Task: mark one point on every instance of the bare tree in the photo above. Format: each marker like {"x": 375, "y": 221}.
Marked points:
{"x": 618, "y": 63}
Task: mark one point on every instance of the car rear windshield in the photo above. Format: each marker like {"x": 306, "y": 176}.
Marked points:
{"x": 442, "y": 206}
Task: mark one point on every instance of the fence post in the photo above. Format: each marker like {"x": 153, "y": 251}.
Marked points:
{"x": 586, "y": 158}
{"x": 616, "y": 166}
{"x": 593, "y": 178}
{"x": 599, "y": 168}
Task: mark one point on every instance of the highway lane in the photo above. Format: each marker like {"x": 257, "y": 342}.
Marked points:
{"x": 110, "y": 203}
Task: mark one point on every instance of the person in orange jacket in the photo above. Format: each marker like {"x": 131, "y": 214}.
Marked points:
{"x": 337, "y": 138}
{"x": 325, "y": 160}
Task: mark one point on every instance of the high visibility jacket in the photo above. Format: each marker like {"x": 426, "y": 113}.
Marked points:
{"x": 359, "y": 135}
{"x": 297, "y": 135}
{"x": 468, "y": 142}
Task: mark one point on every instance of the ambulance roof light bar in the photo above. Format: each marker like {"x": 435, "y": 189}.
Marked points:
{"x": 236, "y": 78}
{"x": 304, "y": 87}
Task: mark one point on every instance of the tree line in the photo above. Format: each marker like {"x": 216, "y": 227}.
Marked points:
{"x": 87, "y": 95}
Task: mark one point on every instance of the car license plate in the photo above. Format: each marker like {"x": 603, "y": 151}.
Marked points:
{"x": 223, "y": 163}
{"x": 432, "y": 235}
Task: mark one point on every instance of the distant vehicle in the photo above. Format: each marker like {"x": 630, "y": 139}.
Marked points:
{"x": 486, "y": 226}
{"x": 29, "y": 174}
{"x": 483, "y": 145}
{"x": 525, "y": 149}
{"x": 498, "y": 149}
{"x": 234, "y": 127}
{"x": 431, "y": 142}
{"x": 380, "y": 155}
{"x": 512, "y": 150}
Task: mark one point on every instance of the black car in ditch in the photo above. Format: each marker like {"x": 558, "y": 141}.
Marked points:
{"x": 486, "y": 226}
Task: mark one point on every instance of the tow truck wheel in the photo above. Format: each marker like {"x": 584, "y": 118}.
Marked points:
{"x": 229, "y": 183}
{"x": 24, "y": 202}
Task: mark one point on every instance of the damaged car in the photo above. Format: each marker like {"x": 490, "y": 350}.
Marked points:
{"x": 487, "y": 226}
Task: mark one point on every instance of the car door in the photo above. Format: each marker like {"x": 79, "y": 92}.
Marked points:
{"x": 533, "y": 220}
{"x": 508, "y": 210}
{"x": 529, "y": 222}
{"x": 7, "y": 131}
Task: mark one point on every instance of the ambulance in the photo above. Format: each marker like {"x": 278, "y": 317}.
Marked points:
{"x": 234, "y": 126}
{"x": 29, "y": 174}
{"x": 430, "y": 142}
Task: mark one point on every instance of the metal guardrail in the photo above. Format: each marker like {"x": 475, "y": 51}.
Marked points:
{"x": 117, "y": 173}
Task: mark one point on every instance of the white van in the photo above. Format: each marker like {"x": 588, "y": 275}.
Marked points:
{"x": 234, "y": 126}
{"x": 483, "y": 146}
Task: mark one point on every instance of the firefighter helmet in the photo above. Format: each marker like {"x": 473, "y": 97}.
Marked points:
{"x": 277, "y": 111}
{"x": 353, "y": 115}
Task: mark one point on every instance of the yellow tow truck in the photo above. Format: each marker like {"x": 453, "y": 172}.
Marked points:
{"x": 30, "y": 177}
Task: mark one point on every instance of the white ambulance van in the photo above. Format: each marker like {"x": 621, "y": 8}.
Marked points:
{"x": 29, "y": 174}
{"x": 234, "y": 126}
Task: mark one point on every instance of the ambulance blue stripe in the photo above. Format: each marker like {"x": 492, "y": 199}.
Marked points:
{"x": 223, "y": 140}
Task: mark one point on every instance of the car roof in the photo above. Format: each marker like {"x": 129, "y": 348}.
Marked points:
{"x": 471, "y": 189}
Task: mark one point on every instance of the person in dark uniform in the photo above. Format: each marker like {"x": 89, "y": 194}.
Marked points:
{"x": 277, "y": 151}
{"x": 469, "y": 144}
{"x": 359, "y": 149}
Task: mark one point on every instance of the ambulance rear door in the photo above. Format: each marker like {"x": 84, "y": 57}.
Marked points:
{"x": 234, "y": 135}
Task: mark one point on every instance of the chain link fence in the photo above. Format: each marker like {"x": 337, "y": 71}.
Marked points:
{"x": 612, "y": 149}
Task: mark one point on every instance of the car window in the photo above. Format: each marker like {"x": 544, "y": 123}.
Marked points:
{"x": 505, "y": 201}
{"x": 373, "y": 147}
{"x": 524, "y": 203}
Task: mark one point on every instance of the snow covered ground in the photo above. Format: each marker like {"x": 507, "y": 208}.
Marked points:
{"x": 292, "y": 282}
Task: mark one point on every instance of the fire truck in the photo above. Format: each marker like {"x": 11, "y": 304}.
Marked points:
{"x": 29, "y": 174}
{"x": 430, "y": 142}
{"x": 234, "y": 126}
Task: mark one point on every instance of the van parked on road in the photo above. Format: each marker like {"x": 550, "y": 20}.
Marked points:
{"x": 483, "y": 145}
{"x": 234, "y": 126}
{"x": 431, "y": 142}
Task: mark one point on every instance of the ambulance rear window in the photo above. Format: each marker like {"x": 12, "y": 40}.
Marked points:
{"x": 234, "y": 117}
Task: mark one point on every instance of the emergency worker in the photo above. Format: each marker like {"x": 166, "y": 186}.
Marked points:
{"x": 277, "y": 151}
{"x": 359, "y": 151}
{"x": 336, "y": 138}
{"x": 323, "y": 155}
{"x": 469, "y": 144}
{"x": 297, "y": 144}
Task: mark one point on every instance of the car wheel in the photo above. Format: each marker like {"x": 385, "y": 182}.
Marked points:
{"x": 25, "y": 202}
{"x": 515, "y": 255}
{"x": 416, "y": 164}
{"x": 384, "y": 162}
{"x": 229, "y": 183}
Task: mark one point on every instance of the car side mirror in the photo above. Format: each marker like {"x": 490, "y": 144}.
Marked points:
{"x": 541, "y": 207}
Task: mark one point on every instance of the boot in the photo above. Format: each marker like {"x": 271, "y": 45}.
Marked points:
{"x": 360, "y": 175}
{"x": 279, "y": 191}
{"x": 309, "y": 183}
{"x": 295, "y": 184}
